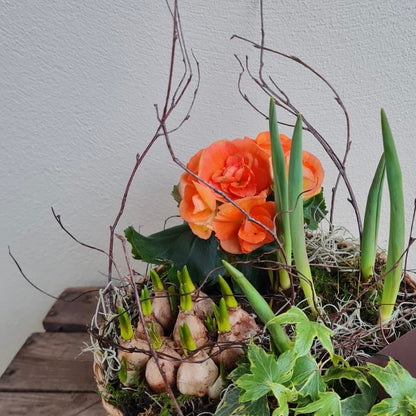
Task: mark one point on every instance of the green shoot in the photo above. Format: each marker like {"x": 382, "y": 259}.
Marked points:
{"x": 371, "y": 221}
{"x": 397, "y": 228}
{"x": 188, "y": 343}
{"x": 211, "y": 323}
{"x": 154, "y": 335}
{"x": 122, "y": 372}
{"x": 126, "y": 329}
{"x": 221, "y": 315}
{"x": 227, "y": 293}
{"x": 173, "y": 299}
{"x": 261, "y": 308}
{"x": 187, "y": 281}
{"x": 157, "y": 283}
{"x": 297, "y": 229}
{"x": 145, "y": 300}
{"x": 281, "y": 198}
{"x": 185, "y": 298}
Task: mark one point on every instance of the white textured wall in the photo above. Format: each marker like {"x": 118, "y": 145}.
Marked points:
{"x": 78, "y": 83}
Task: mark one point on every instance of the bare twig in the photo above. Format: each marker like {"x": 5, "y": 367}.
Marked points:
{"x": 282, "y": 100}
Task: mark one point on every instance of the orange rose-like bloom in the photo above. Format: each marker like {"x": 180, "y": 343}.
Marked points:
{"x": 313, "y": 172}
{"x": 239, "y": 168}
{"x": 237, "y": 234}
{"x": 197, "y": 208}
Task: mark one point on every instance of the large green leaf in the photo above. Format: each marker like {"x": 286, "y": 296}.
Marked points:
{"x": 178, "y": 246}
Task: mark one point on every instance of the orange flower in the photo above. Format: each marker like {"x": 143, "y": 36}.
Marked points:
{"x": 313, "y": 173}
{"x": 238, "y": 235}
{"x": 263, "y": 140}
{"x": 197, "y": 207}
{"x": 239, "y": 168}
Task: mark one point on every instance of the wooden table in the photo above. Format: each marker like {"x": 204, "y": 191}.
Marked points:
{"x": 50, "y": 376}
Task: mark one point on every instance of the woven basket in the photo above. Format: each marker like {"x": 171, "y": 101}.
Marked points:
{"x": 100, "y": 380}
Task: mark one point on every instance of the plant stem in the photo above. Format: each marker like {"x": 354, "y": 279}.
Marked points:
{"x": 280, "y": 197}
{"x": 397, "y": 228}
{"x": 297, "y": 228}
{"x": 261, "y": 308}
{"x": 371, "y": 221}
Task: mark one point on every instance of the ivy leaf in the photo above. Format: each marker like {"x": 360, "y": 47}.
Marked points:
{"x": 314, "y": 210}
{"x": 283, "y": 396}
{"x": 328, "y": 404}
{"x": 307, "y": 378}
{"x": 265, "y": 373}
{"x": 349, "y": 373}
{"x": 306, "y": 331}
{"x": 179, "y": 246}
{"x": 395, "y": 379}
{"x": 360, "y": 404}
{"x": 231, "y": 405}
{"x": 393, "y": 407}
{"x": 399, "y": 384}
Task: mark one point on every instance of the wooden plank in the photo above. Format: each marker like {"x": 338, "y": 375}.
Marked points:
{"x": 41, "y": 404}
{"x": 51, "y": 361}
{"x": 73, "y": 311}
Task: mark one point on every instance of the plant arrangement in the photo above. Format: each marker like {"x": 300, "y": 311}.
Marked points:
{"x": 256, "y": 304}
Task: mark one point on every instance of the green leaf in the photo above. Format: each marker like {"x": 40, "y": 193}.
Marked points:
{"x": 395, "y": 250}
{"x": 306, "y": 330}
{"x": 360, "y": 404}
{"x": 307, "y": 378}
{"x": 265, "y": 373}
{"x": 231, "y": 405}
{"x": 283, "y": 396}
{"x": 399, "y": 384}
{"x": 179, "y": 246}
{"x": 371, "y": 221}
{"x": 328, "y": 404}
{"x": 314, "y": 210}
{"x": 349, "y": 373}
{"x": 395, "y": 379}
{"x": 394, "y": 407}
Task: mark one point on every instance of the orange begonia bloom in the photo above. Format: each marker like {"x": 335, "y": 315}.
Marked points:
{"x": 313, "y": 172}
{"x": 239, "y": 168}
{"x": 263, "y": 140}
{"x": 237, "y": 234}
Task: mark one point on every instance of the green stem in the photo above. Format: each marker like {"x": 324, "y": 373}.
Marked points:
{"x": 371, "y": 222}
{"x": 297, "y": 227}
{"x": 281, "y": 198}
{"x": 261, "y": 308}
{"x": 397, "y": 228}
